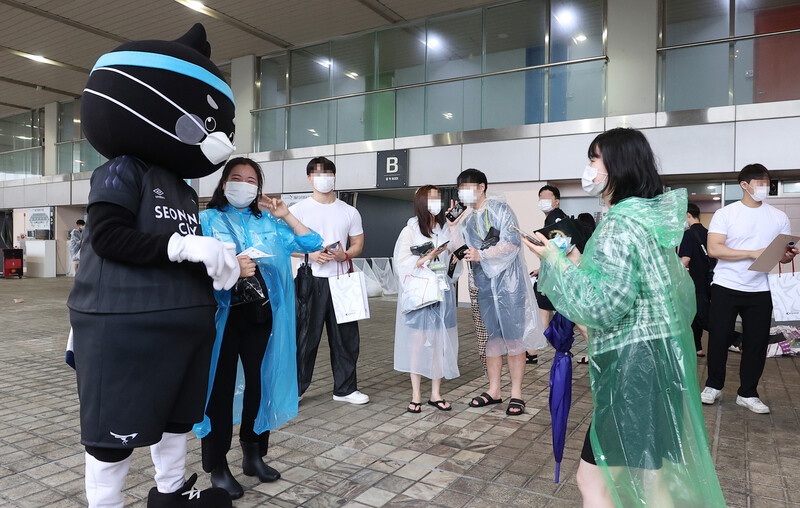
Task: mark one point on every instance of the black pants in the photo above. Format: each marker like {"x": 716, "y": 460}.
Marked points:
{"x": 756, "y": 311}
{"x": 343, "y": 340}
{"x": 244, "y": 338}
{"x": 700, "y": 321}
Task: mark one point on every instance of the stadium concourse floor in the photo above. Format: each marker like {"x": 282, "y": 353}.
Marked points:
{"x": 337, "y": 454}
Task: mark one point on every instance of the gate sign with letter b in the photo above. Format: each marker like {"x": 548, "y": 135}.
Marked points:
{"x": 392, "y": 169}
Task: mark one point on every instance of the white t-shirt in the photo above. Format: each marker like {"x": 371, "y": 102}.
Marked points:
{"x": 746, "y": 229}
{"x": 334, "y": 222}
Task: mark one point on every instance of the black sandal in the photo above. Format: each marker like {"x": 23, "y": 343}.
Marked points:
{"x": 440, "y": 405}
{"x": 515, "y": 404}
{"x": 480, "y": 402}
{"x": 584, "y": 360}
{"x": 531, "y": 359}
{"x": 417, "y": 407}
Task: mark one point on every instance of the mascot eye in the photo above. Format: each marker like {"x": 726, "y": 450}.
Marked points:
{"x": 211, "y": 124}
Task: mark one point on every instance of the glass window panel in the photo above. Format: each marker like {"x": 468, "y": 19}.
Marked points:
{"x": 310, "y": 75}
{"x": 271, "y": 125}
{"x": 364, "y": 118}
{"x": 410, "y": 111}
{"x": 695, "y": 21}
{"x": 90, "y": 158}
{"x": 577, "y": 91}
{"x": 21, "y": 163}
{"x": 20, "y": 131}
{"x": 767, "y": 69}
{"x": 733, "y": 193}
{"x": 453, "y": 107}
{"x": 454, "y": 46}
{"x": 515, "y": 35}
{"x": 312, "y": 124}
{"x": 401, "y": 56}
{"x": 274, "y": 73}
{"x": 696, "y": 78}
{"x": 66, "y": 121}
{"x": 576, "y": 29}
{"x": 65, "y": 161}
{"x": 791, "y": 187}
{"x": 765, "y": 16}
{"x": 513, "y": 99}
{"x": 353, "y": 67}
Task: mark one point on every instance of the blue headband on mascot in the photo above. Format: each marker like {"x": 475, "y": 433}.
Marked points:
{"x": 167, "y": 63}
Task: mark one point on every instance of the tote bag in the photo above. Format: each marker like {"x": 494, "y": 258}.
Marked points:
{"x": 420, "y": 289}
{"x": 349, "y": 296}
{"x": 785, "y": 291}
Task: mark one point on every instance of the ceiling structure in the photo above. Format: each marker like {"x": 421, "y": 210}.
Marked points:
{"x": 47, "y": 47}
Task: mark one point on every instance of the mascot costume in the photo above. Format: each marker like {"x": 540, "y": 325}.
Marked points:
{"x": 142, "y": 307}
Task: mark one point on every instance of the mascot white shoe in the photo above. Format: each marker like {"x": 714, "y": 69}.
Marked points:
{"x": 142, "y": 308}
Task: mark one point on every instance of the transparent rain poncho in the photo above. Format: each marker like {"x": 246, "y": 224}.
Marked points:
{"x": 75, "y": 245}
{"x": 505, "y": 294}
{"x": 426, "y": 339}
{"x": 274, "y": 237}
{"x": 637, "y": 300}
{"x": 388, "y": 279}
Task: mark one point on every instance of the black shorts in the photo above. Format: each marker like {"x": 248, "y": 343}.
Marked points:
{"x": 586, "y": 453}
{"x": 138, "y": 372}
{"x": 542, "y": 301}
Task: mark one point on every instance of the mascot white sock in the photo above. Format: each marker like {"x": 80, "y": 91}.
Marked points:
{"x": 169, "y": 458}
{"x": 105, "y": 481}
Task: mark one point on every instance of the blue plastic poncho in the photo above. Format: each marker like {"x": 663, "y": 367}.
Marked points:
{"x": 634, "y": 295}
{"x": 279, "y": 367}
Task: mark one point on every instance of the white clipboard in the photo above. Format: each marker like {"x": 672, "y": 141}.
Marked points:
{"x": 773, "y": 254}
{"x": 254, "y": 253}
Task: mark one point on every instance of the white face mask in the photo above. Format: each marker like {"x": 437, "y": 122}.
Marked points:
{"x": 686, "y": 224}
{"x": 759, "y": 194}
{"x": 324, "y": 183}
{"x": 467, "y": 196}
{"x": 240, "y": 194}
{"x": 588, "y": 183}
{"x": 546, "y": 205}
{"x": 435, "y": 206}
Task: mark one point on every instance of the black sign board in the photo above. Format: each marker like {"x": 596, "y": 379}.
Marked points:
{"x": 392, "y": 169}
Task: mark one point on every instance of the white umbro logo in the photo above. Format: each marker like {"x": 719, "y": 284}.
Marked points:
{"x": 159, "y": 193}
{"x": 125, "y": 439}
{"x": 192, "y": 494}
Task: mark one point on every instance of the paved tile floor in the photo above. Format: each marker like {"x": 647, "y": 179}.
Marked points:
{"x": 336, "y": 454}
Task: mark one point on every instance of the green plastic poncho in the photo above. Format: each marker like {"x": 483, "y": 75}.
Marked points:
{"x": 637, "y": 300}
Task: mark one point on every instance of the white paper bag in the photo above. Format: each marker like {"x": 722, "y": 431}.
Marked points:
{"x": 420, "y": 289}
{"x": 349, "y": 296}
{"x": 785, "y": 290}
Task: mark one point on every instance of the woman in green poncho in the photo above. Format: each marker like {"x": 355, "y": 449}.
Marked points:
{"x": 647, "y": 444}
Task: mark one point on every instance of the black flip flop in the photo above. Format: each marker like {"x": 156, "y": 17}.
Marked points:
{"x": 515, "y": 404}
{"x": 417, "y": 407}
{"x": 583, "y": 361}
{"x": 480, "y": 402}
{"x": 531, "y": 359}
{"x": 440, "y": 405}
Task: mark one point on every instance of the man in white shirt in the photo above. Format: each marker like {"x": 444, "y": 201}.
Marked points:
{"x": 737, "y": 235}
{"x": 337, "y": 223}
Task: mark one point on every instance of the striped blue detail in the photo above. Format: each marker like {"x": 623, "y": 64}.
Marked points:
{"x": 167, "y": 63}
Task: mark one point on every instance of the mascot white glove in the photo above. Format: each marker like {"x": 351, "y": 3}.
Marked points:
{"x": 219, "y": 257}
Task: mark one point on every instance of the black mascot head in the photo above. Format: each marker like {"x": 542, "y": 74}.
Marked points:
{"x": 164, "y": 102}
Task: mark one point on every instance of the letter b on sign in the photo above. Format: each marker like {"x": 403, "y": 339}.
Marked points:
{"x": 392, "y": 168}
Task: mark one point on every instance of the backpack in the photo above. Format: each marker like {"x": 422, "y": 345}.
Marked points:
{"x": 712, "y": 262}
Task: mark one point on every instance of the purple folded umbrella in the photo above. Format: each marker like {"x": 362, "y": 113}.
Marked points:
{"x": 560, "y": 336}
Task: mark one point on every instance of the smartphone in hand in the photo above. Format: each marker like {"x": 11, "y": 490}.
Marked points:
{"x": 525, "y": 235}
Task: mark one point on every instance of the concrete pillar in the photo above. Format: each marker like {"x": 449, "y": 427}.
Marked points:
{"x": 243, "y": 84}
{"x": 632, "y": 42}
{"x": 50, "y": 138}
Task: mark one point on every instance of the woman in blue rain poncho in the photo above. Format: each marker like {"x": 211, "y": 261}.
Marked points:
{"x": 647, "y": 443}
{"x": 255, "y": 322}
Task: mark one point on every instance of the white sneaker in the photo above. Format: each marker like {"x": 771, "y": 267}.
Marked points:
{"x": 754, "y": 404}
{"x": 709, "y": 395}
{"x": 354, "y": 398}
{"x": 299, "y": 398}
{"x": 734, "y": 349}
